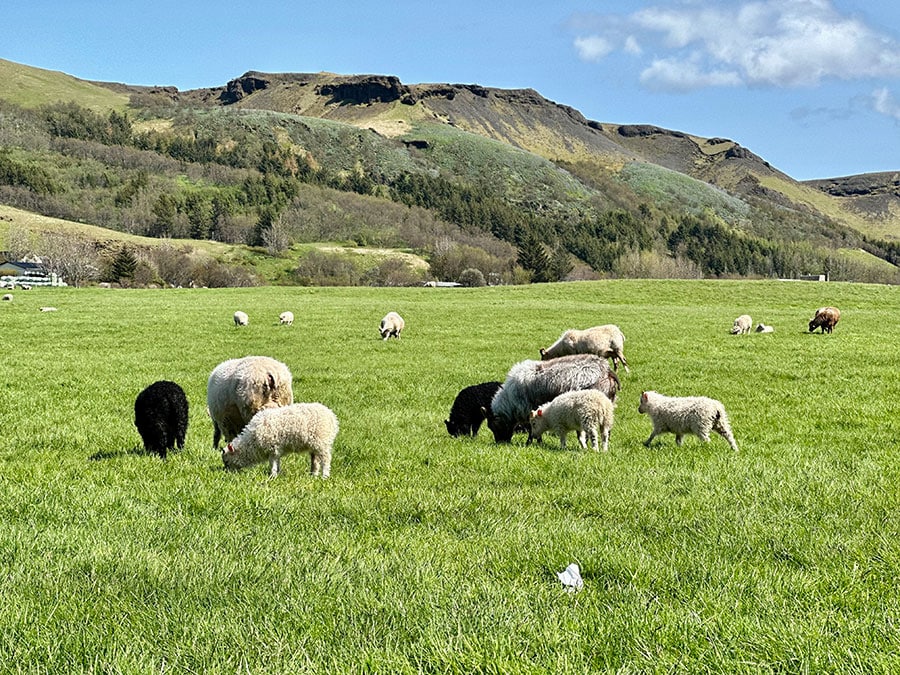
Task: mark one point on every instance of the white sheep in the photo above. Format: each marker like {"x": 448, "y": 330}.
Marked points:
{"x": 696, "y": 415}
{"x": 391, "y": 325}
{"x": 742, "y": 325}
{"x": 763, "y": 328}
{"x": 286, "y": 318}
{"x": 239, "y": 388}
{"x": 275, "y": 432}
{"x": 47, "y": 309}
{"x": 586, "y": 412}
{"x": 607, "y": 342}
{"x": 241, "y": 318}
{"x": 7, "y": 297}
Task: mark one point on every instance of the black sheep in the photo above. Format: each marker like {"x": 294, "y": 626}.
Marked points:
{"x": 161, "y": 417}
{"x": 467, "y": 412}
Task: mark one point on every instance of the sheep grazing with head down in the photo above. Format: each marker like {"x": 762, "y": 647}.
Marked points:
{"x": 241, "y": 318}
{"x": 826, "y": 318}
{"x": 696, "y": 415}
{"x": 286, "y": 318}
{"x": 391, "y": 325}
{"x": 587, "y": 412}
{"x": 7, "y": 297}
{"x": 607, "y": 342}
{"x": 161, "y": 417}
{"x": 742, "y": 325}
{"x": 239, "y": 388}
{"x": 275, "y": 432}
{"x": 468, "y": 409}
{"x": 763, "y": 328}
{"x": 530, "y": 384}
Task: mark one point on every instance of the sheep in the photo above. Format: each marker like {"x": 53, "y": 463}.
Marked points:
{"x": 742, "y": 325}
{"x": 826, "y": 318}
{"x": 286, "y": 318}
{"x": 7, "y": 297}
{"x": 241, "y": 318}
{"x": 47, "y": 309}
{"x": 530, "y": 384}
{"x": 161, "y": 417}
{"x": 586, "y": 412}
{"x": 696, "y": 415}
{"x": 239, "y": 388}
{"x": 468, "y": 409}
{"x": 763, "y": 328}
{"x": 605, "y": 341}
{"x": 391, "y": 325}
{"x": 275, "y": 432}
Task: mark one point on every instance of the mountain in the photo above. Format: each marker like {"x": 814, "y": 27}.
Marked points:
{"x": 491, "y": 163}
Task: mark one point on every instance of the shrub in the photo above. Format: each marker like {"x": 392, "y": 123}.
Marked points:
{"x": 472, "y": 276}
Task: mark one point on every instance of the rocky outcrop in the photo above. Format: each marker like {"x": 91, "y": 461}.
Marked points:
{"x": 364, "y": 89}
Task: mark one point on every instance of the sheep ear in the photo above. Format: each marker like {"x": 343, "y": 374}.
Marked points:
{"x": 644, "y": 396}
{"x": 229, "y": 449}
{"x": 539, "y": 413}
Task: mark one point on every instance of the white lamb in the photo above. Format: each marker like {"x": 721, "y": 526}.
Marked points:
{"x": 763, "y": 328}
{"x": 286, "y": 318}
{"x": 742, "y": 325}
{"x": 241, "y": 318}
{"x": 391, "y": 325}
{"x": 275, "y": 432}
{"x": 586, "y": 412}
{"x": 696, "y": 415}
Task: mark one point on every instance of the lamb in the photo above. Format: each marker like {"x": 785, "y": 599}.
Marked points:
{"x": 286, "y": 318}
{"x": 47, "y": 309}
{"x": 161, "y": 417}
{"x": 391, "y": 325}
{"x": 696, "y": 415}
{"x": 7, "y": 297}
{"x": 742, "y": 325}
{"x": 826, "y": 318}
{"x": 239, "y": 388}
{"x": 241, "y": 318}
{"x": 763, "y": 328}
{"x": 605, "y": 341}
{"x": 530, "y": 384}
{"x": 275, "y": 432}
{"x": 586, "y": 412}
{"x": 468, "y": 409}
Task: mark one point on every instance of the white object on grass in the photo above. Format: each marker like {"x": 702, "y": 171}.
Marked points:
{"x": 571, "y": 578}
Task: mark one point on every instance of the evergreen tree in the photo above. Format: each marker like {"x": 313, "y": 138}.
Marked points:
{"x": 534, "y": 259}
{"x": 123, "y": 265}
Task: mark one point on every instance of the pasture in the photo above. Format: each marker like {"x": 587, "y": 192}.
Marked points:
{"x": 424, "y": 553}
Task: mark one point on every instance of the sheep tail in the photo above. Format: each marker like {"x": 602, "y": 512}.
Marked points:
{"x": 270, "y": 380}
{"x": 615, "y": 380}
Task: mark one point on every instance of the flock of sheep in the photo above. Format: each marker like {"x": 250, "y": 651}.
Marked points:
{"x": 572, "y": 388}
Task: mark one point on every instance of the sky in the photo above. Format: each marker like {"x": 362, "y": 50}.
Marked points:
{"x": 811, "y": 86}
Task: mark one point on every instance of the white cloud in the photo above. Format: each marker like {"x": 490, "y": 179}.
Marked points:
{"x": 885, "y": 103}
{"x": 776, "y": 43}
{"x": 592, "y": 47}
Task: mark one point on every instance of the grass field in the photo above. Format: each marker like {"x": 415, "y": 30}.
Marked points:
{"x": 424, "y": 553}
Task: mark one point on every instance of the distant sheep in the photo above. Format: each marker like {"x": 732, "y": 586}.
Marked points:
{"x": 286, "y": 318}
{"x": 763, "y": 328}
{"x": 468, "y": 409}
{"x": 239, "y": 388}
{"x": 161, "y": 417}
{"x": 588, "y": 412}
{"x": 742, "y": 325}
{"x": 241, "y": 318}
{"x": 530, "y": 384}
{"x": 47, "y": 309}
{"x": 275, "y": 432}
{"x": 391, "y": 325}
{"x": 605, "y": 341}
{"x": 826, "y": 318}
{"x": 696, "y": 415}
{"x": 7, "y": 297}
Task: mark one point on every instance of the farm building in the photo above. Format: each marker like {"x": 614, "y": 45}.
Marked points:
{"x": 25, "y": 273}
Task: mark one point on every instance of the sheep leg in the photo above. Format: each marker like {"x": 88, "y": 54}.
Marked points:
{"x": 728, "y": 436}
{"x": 582, "y": 438}
{"x": 605, "y": 440}
{"x": 562, "y": 440}
{"x": 274, "y": 466}
{"x": 678, "y": 439}
{"x": 650, "y": 440}
{"x": 217, "y": 436}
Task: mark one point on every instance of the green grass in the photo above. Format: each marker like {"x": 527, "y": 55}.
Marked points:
{"x": 32, "y": 87}
{"x": 424, "y": 553}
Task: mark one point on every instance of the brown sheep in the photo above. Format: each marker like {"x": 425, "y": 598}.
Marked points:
{"x": 826, "y": 318}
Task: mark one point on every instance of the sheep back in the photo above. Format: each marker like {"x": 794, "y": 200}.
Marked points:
{"x": 586, "y": 411}
{"x": 239, "y": 388}
{"x": 469, "y": 409}
{"x": 161, "y": 417}
{"x": 605, "y": 341}
{"x": 529, "y": 384}
{"x": 275, "y": 432}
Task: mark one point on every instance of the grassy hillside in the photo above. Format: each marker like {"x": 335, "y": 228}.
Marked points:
{"x": 428, "y": 553}
{"x": 31, "y": 87}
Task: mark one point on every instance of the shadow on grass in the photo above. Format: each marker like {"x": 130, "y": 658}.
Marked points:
{"x": 137, "y": 450}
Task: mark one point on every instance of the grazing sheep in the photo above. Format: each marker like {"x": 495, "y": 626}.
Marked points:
{"x": 826, "y": 318}
{"x": 530, "y": 384}
{"x": 161, "y": 417}
{"x": 47, "y": 309}
{"x": 587, "y": 412}
{"x": 239, "y": 388}
{"x": 7, "y": 297}
{"x": 468, "y": 409}
{"x": 286, "y": 318}
{"x": 742, "y": 325}
{"x": 275, "y": 432}
{"x": 241, "y": 318}
{"x": 763, "y": 328}
{"x": 391, "y": 325}
{"x": 696, "y": 415}
{"x": 605, "y": 341}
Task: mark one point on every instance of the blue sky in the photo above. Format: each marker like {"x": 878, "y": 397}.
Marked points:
{"x": 812, "y": 86}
